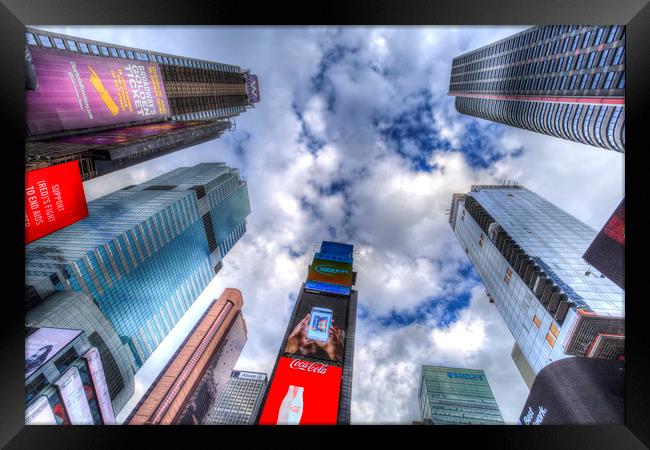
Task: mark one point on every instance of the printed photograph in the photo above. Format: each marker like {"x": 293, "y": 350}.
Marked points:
{"x": 331, "y": 225}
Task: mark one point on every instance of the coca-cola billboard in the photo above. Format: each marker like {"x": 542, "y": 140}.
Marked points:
{"x": 302, "y": 393}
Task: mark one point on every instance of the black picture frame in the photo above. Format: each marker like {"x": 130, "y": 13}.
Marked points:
{"x": 635, "y": 14}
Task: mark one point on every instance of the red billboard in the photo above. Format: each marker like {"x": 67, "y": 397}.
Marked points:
{"x": 83, "y": 91}
{"x": 54, "y": 198}
{"x": 302, "y": 393}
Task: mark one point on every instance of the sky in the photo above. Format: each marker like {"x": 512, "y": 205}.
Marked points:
{"x": 355, "y": 140}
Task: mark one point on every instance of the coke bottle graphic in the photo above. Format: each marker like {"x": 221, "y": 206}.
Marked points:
{"x": 291, "y": 407}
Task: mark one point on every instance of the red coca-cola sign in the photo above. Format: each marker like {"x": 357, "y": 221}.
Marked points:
{"x": 302, "y": 392}
{"x": 299, "y": 364}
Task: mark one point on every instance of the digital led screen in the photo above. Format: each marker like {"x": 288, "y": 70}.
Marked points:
{"x": 99, "y": 381}
{"x": 40, "y": 412}
{"x": 253, "y": 88}
{"x": 84, "y": 91}
{"x": 54, "y": 198}
{"x": 332, "y": 272}
{"x": 74, "y": 397}
{"x": 318, "y": 329}
{"x": 43, "y": 344}
{"x": 302, "y": 393}
{"x": 607, "y": 251}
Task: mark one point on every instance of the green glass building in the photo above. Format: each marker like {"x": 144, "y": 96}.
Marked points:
{"x": 452, "y": 396}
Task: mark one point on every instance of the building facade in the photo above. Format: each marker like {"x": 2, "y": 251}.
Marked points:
{"x": 76, "y": 310}
{"x": 65, "y": 380}
{"x": 527, "y": 372}
{"x": 314, "y": 365}
{"x": 566, "y": 81}
{"x": 452, "y": 396}
{"x": 241, "y": 399}
{"x": 146, "y": 252}
{"x": 528, "y": 253}
{"x": 192, "y": 101}
{"x": 194, "y": 378}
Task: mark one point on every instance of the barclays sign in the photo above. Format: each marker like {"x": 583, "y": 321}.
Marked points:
{"x": 465, "y": 376}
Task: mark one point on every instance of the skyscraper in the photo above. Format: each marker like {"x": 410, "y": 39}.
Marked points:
{"x": 241, "y": 399}
{"x": 76, "y": 310}
{"x": 311, "y": 382}
{"x": 192, "y": 381}
{"x": 146, "y": 252}
{"x": 111, "y": 106}
{"x": 566, "y": 81}
{"x": 528, "y": 254}
{"x": 451, "y": 396}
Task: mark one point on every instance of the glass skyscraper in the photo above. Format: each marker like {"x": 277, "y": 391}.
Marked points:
{"x": 241, "y": 399}
{"x": 528, "y": 253}
{"x": 451, "y": 396}
{"x": 566, "y": 81}
{"x": 145, "y": 252}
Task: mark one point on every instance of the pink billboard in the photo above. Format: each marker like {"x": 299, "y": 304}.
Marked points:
{"x": 83, "y": 91}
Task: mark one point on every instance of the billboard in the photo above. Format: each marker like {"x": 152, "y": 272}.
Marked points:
{"x": 74, "y": 397}
{"x": 607, "y": 252}
{"x": 83, "y": 91}
{"x": 577, "y": 391}
{"x": 253, "y": 88}
{"x": 333, "y": 272}
{"x": 101, "y": 389}
{"x": 54, "y": 198}
{"x": 302, "y": 393}
{"x": 126, "y": 134}
{"x": 318, "y": 329}
{"x": 43, "y": 344}
{"x": 39, "y": 412}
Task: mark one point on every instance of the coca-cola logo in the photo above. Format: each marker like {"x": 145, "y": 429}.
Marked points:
{"x": 306, "y": 366}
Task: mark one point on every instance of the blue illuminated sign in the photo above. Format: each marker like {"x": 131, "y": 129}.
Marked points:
{"x": 465, "y": 376}
{"x": 327, "y": 287}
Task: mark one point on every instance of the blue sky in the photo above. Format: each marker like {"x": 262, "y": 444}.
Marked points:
{"x": 355, "y": 140}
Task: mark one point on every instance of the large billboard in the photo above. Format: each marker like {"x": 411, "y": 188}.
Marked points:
{"x": 334, "y": 277}
{"x": 302, "y": 393}
{"x": 84, "y": 91}
{"x": 318, "y": 330}
{"x": 607, "y": 252}
{"x": 126, "y": 134}
{"x": 74, "y": 397}
{"x": 43, "y": 344}
{"x": 39, "y": 412}
{"x": 99, "y": 381}
{"x": 253, "y": 88}
{"x": 54, "y": 198}
{"x": 577, "y": 391}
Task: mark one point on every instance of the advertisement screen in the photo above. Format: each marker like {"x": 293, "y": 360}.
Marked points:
{"x": 333, "y": 272}
{"x": 40, "y": 412}
{"x": 74, "y": 397}
{"x": 126, "y": 134}
{"x": 101, "y": 389}
{"x": 318, "y": 330}
{"x": 607, "y": 252}
{"x": 54, "y": 198}
{"x": 84, "y": 91}
{"x": 253, "y": 88}
{"x": 302, "y": 393}
{"x": 329, "y": 288}
{"x": 43, "y": 344}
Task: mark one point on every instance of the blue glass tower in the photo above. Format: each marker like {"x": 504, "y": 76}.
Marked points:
{"x": 528, "y": 253}
{"x": 146, "y": 252}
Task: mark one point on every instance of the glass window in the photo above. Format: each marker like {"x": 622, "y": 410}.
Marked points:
{"x": 84, "y": 47}
{"x": 550, "y": 339}
{"x": 563, "y": 82}
{"x": 72, "y": 45}
{"x": 608, "y": 80}
{"x": 621, "y": 82}
{"x": 94, "y": 49}
{"x": 122, "y": 53}
{"x": 599, "y": 35}
{"x": 537, "y": 321}
{"x": 575, "y": 42}
{"x": 579, "y": 61}
{"x": 594, "y": 82}
{"x": 45, "y": 41}
{"x": 114, "y": 52}
{"x": 585, "y": 43}
{"x": 618, "y": 55}
{"x": 129, "y": 54}
{"x": 603, "y": 58}
{"x": 31, "y": 39}
{"x": 104, "y": 51}
{"x": 591, "y": 60}
{"x": 58, "y": 42}
{"x": 612, "y": 33}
